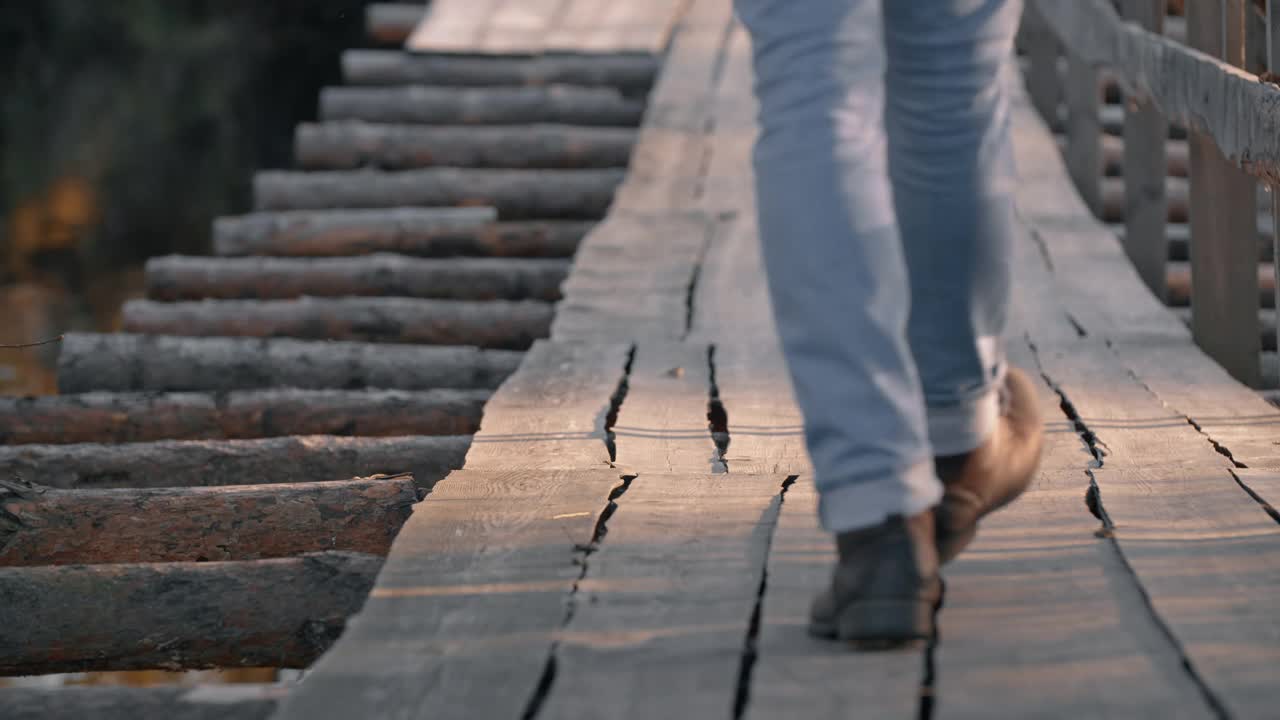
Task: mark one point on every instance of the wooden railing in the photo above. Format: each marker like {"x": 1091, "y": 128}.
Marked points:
{"x": 1206, "y": 86}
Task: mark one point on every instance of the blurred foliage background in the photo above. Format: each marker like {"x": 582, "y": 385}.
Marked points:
{"x": 126, "y": 126}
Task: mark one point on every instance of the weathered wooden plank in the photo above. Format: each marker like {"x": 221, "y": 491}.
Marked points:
{"x": 407, "y": 231}
{"x": 1223, "y": 212}
{"x": 798, "y": 674}
{"x": 1043, "y": 49}
{"x": 1145, "y": 167}
{"x": 174, "y": 616}
{"x": 498, "y": 324}
{"x": 666, "y": 604}
{"x": 1042, "y": 617}
{"x": 555, "y": 411}
{"x": 517, "y": 194}
{"x": 121, "y": 362}
{"x": 568, "y": 104}
{"x": 469, "y": 603}
{"x": 1192, "y": 88}
{"x": 45, "y": 526}
{"x": 519, "y": 26}
{"x": 632, "y": 277}
{"x": 452, "y": 25}
{"x": 1084, "y": 134}
{"x": 140, "y": 417}
{"x": 205, "y": 702}
{"x": 183, "y": 277}
{"x": 663, "y": 424}
{"x": 632, "y": 74}
{"x": 1183, "y": 524}
{"x": 350, "y": 145}
{"x": 200, "y": 463}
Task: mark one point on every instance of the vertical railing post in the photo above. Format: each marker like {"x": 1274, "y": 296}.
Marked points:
{"x": 1273, "y": 64}
{"x": 1043, "y": 82}
{"x": 1146, "y": 133}
{"x": 1084, "y": 130}
{"x": 1224, "y": 218}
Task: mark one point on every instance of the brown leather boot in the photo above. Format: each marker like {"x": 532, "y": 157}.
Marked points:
{"x": 885, "y": 587}
{"x": 994, "y": 474}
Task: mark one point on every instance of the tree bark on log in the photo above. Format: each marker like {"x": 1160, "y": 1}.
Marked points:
{"x": 179, "y": 277}
{"x": 47, "y": 526}
{"x": 392, "y": 23}
{"x": 1179, "y": 287}
{"x": 210, "y": 463}
{"x": 121, "y": 362}
{"x": 206, "y": 702}
{"x": 141, "y": 417}
{"x": 351, "y": 145}
{"x": 571, "y": 105}
{"x": 178, "y": 616}
{"x": 1113, "y": 205}
{"x": 517, "y": 194}
{"x": 494, "y": 324}
{"x": 630, "y": 74}
{"x": 407, "y": 231}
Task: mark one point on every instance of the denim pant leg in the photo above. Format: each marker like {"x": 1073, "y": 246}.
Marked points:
{"x": 951, "y": 164}
{"x": 833, "y": 256}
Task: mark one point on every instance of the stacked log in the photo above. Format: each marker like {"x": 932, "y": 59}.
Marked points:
{"x": 46, "y": 526}
{"x": 567, "y": 104}
{"x": 178, "y": 277}
{"x": 174, "y": 616}
{"x": 349, "y": 145}
{"x": 493, "y": 324}
{"x": 140, "y": 417}
{"x": 407, "y": 231}
{"x": 121, "y": 362}
{"x": 199, "y": 463}
{"x": 629, "y": 74}
{"x": 517, "y": 194}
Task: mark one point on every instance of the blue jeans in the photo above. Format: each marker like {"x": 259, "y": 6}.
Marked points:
{"x": 885, "y": 182}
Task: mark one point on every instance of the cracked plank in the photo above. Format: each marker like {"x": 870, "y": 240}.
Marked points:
{"x": 551, "y": 413}
{"x": 667, "y": 601}
{"x": 799, "y": 676}
{"x": 662, "y": 426}
{"x": 1203, "y": 550}
{"x": 1042, "y": 618}
{"x": 468, "y": 604}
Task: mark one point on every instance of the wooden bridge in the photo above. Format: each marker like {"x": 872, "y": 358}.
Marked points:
{"x": 610, "y": 512}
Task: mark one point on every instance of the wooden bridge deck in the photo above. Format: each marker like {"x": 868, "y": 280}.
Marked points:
{"x": 607, "y": 552}
{"x": 633, "y": 531}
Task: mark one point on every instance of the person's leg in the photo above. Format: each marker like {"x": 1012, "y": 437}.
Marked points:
{"x": 950, "y": 63}
{"x": 951, "y": 164}
{"x": 833, "y": 256}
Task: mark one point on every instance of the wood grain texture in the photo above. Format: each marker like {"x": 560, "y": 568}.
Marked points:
{"x": 44, "y": 526}
{"x": 428, "y": 232}
{"x": 795, "y": 673}
{"x": 1182, "y": 522}
{"x": 665, "y": 605}
{"x": 469, "y": 603}
{"x": 501, "y": 324}
{"x": 553, "y": 413}
{"x": 176, "y": 616}
{"x": 241, "y": 414}
{"x": 120, "y": 362}
{"x": 428, "y": 105}
{"x": 184, "y": 277}
{"x": 208, "y": 463}
{"x": 350, "y": 145}
{"x": 663, "y": 425}
{"x": 206, "y": 702}
{"x": 517, "y": 194}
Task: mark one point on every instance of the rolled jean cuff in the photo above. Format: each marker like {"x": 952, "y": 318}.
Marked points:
{"x": 961, "y": 427}
{"x": 865, "y": 503}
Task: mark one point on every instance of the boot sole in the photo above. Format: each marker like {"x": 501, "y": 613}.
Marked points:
{"x": 879, "y": 624}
